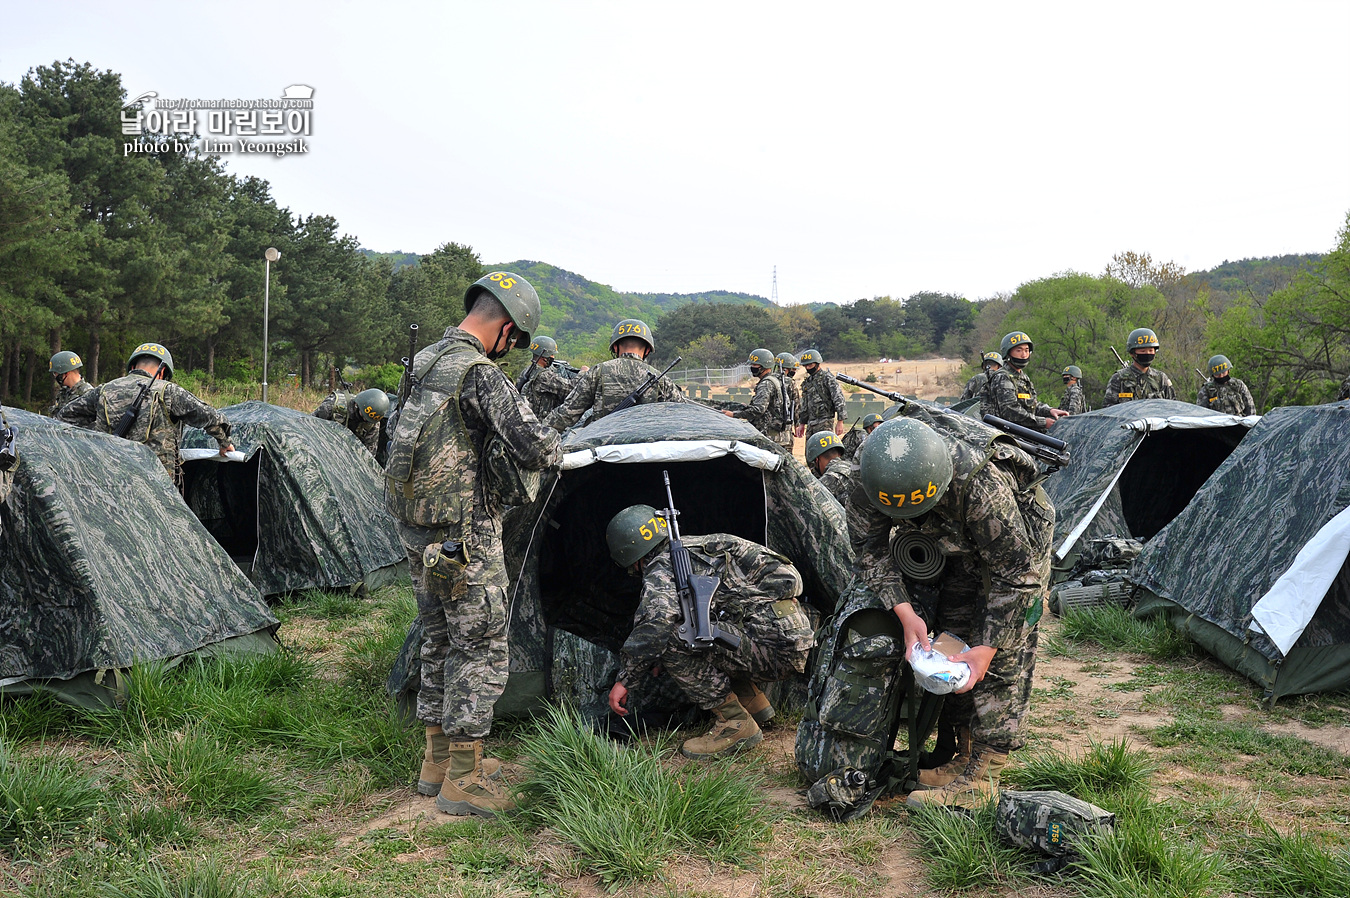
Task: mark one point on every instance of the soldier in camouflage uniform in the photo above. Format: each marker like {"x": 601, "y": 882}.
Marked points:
{"x": 853, "y": 437}
{"x": 361, "y": 414}
{"x": 1012, "y": 395}
{"x": 65, "y": 370}
{"x": 788, "y": 364}
{"x": 977, "y": 496}
{"x": 606, "y": 385}
{"x": 543, "y": 384}
{"x": 460, "y": 414}
{"x": 825, "y": 458}
{"x": 1344, "y": 392}
{"x": 1223, "y": 392}
{"x": 822, "y": 400}
{"x": 756, "y": 600}
{"x": 1072, "y": 402}
{"x": 1139, "y": 379}
{"x": 770, "y": 408}
{"x": 167, "y": 407}
{"x": 978, "y": 386}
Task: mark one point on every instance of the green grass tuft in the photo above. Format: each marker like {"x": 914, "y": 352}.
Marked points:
{"x": 43, "y": 799}
{"x": 209, "y": 779}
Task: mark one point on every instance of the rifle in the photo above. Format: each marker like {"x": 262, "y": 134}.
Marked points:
{"x": 9, "y": 435}
{"x": 652, "y": 377}
{"x": 390, "y": 423}
{"x": 1118, "y": 358}
{"x": 1203, "y": 379}
{"x": 570, "y": 369}
{"x": 1053, "y": 452}
{"x": 129, "y": 416}
{"x": 337, "y": 378}
{"x": 893, "y": 397}
{"x": 695, "y": 592}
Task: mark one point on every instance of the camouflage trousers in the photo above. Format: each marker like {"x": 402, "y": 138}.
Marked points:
{"x": 463, "y": 611}
{"x": 776, "y": 638}
{"x": 817, "y": 426}
{"x": 997, "y": 707}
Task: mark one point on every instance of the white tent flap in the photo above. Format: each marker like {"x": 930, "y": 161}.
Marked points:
{"x": 1285, "y": 610}
{"x": 1191, "y": 422}
{"x": 673, "y": 451}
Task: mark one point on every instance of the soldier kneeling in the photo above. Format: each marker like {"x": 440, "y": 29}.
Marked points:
{"x": 756, "y": 600}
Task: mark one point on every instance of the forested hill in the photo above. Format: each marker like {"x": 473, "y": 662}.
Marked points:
{"x": 1256, "y": 278}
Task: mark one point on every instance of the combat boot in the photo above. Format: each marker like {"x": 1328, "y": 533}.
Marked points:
{"x": 466, "y": 789}
{"x": 944, "y": 774}
{"x": 733, "y": 729}
{"x": 753, "y": 700}
{"x": 437, "y": 759}
{"x": 975, "y": 787}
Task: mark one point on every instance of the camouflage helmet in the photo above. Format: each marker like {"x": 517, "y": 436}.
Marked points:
{"x": 817, "y": 444}
{"x": 1016, "y": 338}
{"x": 633, "y": 533}
{"x": 516, "y": 296}
{"x": 372, "y": 404}
{"x": 1219, "y": 366}
{"x": 787, "y": 360}
{"x": 812, "y": 357}
{"x": 154, "y": 350}
{"x": 905, "y": 468}
{"x": 871, "y": 420}
{"x": 1072, "y": 371}
{"x": 632, "y": 327}
{"x": 544, "y": 348}
{"x": 760, "y": 358}
{"x": 991, "y": 358}
{"x": 65, "y": 362}
{"x": 1142, "y": 338}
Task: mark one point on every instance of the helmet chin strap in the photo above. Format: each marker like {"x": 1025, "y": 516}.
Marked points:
{"x": 494, "y": 353}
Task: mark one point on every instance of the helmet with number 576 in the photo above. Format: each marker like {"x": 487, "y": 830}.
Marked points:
{"x": 633, "y": 533}
{"x": 632, "y": 327}
{"x": 817, "y": 444}
{"x": 905, "y": 468}
{"x": 1142, "y": 338}
{"x": 516, "y": 296}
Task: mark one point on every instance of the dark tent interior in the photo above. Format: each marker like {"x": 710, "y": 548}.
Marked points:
{"x": 1166, "y": 472}
{"x": 224, "y": 497}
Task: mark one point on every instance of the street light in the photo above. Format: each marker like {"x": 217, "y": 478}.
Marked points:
{"x": 271, "y": 256}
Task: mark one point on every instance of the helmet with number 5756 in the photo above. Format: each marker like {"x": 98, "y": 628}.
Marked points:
{"x": 905, "y": 468}
{"x": 633, "y": 533}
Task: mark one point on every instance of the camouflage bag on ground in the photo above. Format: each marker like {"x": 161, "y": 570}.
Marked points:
{"x": 1108, "y": 552}
{"x": 1050, "y": 823}
{"x": 844, "y": 794}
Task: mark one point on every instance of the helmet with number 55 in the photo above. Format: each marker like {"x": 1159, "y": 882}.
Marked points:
{"x": 633, "y": 533}
{"x": 905, "y": 468}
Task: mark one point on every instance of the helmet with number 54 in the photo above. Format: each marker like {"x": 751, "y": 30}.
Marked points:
{"x": 905, "y": 468}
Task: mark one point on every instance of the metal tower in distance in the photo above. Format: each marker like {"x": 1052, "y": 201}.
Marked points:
{"x": 773, "y": 298}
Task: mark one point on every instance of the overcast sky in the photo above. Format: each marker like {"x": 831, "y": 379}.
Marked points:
{"x": 862, "y": 148}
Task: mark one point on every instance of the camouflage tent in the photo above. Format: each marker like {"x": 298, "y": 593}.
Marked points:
{"x": 1134, "y": 468}
{"x": 102, "y": 565}
{"x": 1254, "y": 569}
{"x": 572, "y": 607}
{"x": 303, "y": 509}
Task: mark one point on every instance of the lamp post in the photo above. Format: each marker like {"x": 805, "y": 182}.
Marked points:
{"x": 271, "y": 256}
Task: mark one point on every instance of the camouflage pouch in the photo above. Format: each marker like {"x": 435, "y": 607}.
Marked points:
{"x": 507, "y": 483}
{"x": 844, "y": 794}
{"x": 1049, "y": 823}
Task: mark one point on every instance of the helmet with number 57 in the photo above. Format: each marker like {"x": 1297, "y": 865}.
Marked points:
{"x": 905, "y": 468}
{"x": 633, "y": 533}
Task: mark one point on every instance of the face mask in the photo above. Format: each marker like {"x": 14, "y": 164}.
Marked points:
{"x": 1017, "y": 363}
{"x": 1144, "y": 359}
{"x": 1067, "y": 379}
{"x": 1223, "y": 379}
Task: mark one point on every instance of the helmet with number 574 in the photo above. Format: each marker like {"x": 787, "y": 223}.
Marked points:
{"x": 905, "y": 468}
{"x": 633, "y": 533}
{"x": 516, "y": 296}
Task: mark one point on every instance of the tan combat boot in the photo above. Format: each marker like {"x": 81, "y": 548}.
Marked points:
{"x": 941, "y": 776}
{"x": 753, "y": 700}
{"x": 975, "y": 787}
{"x": 466, "y": 789}
{"x": 437, "y": 758}
{"x": 733, "y": 729}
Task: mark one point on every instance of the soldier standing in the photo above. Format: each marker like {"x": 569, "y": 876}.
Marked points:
{"x": 1344, "y": 392}
{"x": 853, "y": 438}
{"x": 606, "y": 385}
{"x": 822, "y": 400}
{"x": 65, "y": 369}
{"x": 768, "y": 409}
{"x": 159, "y": 423}
{"x": 980, "y": 503}
{"x": 361, "y": 414}
{"x": 825, "y": 458}
{"x": 756, "y": 600}
{"x": 1223, "y": 392}
{"x": 1139, "y": 379}
{"x": 461, "y": 411}
{"x": 542, "y": 384}
{"x": 1012, "y": 395}
{"x": 787, "y": 364}
{"x": 978, "y": 386}
{"x": 1073, "y": 402}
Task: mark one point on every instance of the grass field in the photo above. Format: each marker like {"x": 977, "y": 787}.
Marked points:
{"x": 290, "y": 777}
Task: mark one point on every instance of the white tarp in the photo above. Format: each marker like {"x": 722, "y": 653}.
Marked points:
{"x": 200, "y": 454}
{"x": 673, "y": 451}
{"x": 1286, "y": 609}
{"x": 1191, "y": 422}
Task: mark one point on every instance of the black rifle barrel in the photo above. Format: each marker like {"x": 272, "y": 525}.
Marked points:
{"x": 893, "y": 397}
{"x": 129, "y": 416}
{"x": 631, "y": 399}
{"x": 1025, "y": 433}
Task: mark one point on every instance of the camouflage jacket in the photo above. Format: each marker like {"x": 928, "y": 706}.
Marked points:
{"x": 1129, "y": 383}
{"x": 1012, "y": 396}
{"x": 795, "y": 396}
{"x": 768, "y": 410}
{"x": 459, "y": 400}
{"x": 1345, "y": 389}
{"x": 604, "y": 386}
{"x": 1073, "y": 401}
{"x": 1229, "y": 396}
{"x": 852, "y": 439}
{"x": 994, "y": 516}
{"x": 66, "y": 394}
{"x": 837, "y": 478}
{"x": 159, "y": 424}
{"x": 977, "y": 388}
{"x": 337, "y": 408}
{"x": 546, "y": 389}
{"x": 750, "y": 573}
{"x": 822, "y": 399}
